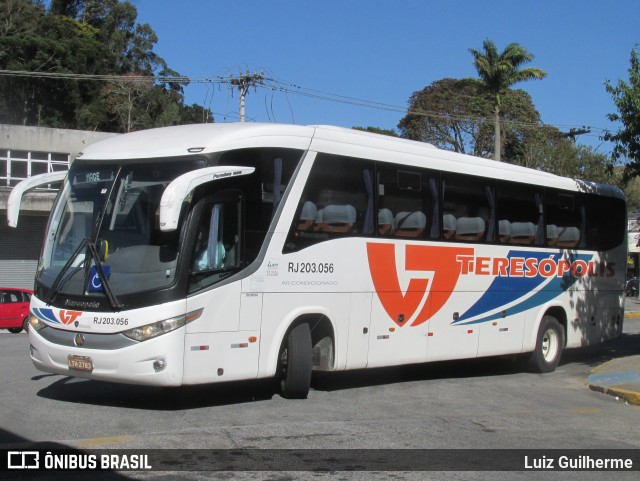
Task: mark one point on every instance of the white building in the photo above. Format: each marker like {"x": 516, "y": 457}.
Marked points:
{"x": 27, "y": 151}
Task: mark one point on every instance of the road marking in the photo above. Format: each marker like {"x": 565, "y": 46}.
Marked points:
{"x": 618, "y": 377}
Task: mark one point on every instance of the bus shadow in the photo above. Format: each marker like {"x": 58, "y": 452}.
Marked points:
{"x": 590, "y": 356}
{"x": 459, "y": 369}
{"x": 100, "y": 393}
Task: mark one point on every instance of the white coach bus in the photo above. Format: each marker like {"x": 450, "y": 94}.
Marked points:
{"x": 210, "y": 253}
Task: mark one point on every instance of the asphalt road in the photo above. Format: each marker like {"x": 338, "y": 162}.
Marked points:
{"x": 485, "y": 403}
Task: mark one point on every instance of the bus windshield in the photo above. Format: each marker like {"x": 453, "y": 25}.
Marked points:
{"x": 110, "y": 212}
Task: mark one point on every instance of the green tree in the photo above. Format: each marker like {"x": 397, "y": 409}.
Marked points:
{"x": 449, "y": 113}
{"x": 47, "y": 43}
{"x": 377, "y": 130}
{"x": 19, "y": 16}
{"x": 631, "y": 191}
{"x": 554, "y": 153}
{"x": 498, "y": 72}
{"x": 67, "y": 8}
{"x": 92, "y": 37}
{"x": 626, "y": 139}
{"x": 195, "y": 114}
{"x": 122, "y": 99}
{"x": 454, "y": 114}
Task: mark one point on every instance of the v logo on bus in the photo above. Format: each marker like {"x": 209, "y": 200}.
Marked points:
{"x": 439, "y": 266}
{"x": 63, "y": 317}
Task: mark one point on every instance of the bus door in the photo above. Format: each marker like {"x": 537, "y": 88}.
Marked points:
{"x": 215, "y": 349}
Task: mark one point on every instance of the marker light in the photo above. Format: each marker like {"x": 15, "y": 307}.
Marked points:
{"x": 149, "y": 331}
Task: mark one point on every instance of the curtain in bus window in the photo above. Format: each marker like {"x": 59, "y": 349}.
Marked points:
{"x": 583, "y": 226}
{"x": 215, "y": 249}
{"x": 368, "y": 216}
{"x": 277, "y": 180}
{"x": 443, "y": 184}
{"x": 435, "y": 208}
{"x": 491, "y": 228}
{"x": 540, "y": 231}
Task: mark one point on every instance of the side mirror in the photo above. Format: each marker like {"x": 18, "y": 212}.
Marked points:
{"x": 178, "y": 190}
{"x": 15, "y": 197}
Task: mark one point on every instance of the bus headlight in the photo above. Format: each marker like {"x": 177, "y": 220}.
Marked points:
{"x": 149, "y": 331}
{"x": 35, "y": 323}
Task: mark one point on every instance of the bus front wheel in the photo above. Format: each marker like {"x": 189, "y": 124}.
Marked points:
{"x": 295, "y": 363}
{"x": 549, "y": 344}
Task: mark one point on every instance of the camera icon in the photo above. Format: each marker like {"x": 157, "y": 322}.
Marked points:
{"x": 23, "y": 460}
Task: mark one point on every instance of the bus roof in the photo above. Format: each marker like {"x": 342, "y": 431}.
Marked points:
{"x": 184, "y": 140}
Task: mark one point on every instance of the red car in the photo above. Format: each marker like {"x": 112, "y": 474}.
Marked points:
{"x": 14, "y": 309}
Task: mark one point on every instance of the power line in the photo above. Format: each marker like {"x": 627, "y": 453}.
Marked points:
{"x": 245, "y": 81}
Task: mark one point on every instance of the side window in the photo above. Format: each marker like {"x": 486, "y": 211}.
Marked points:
{"x": 14, "y": 297}
{"x": 408, "y": 202}
{"x": 217, "y": 246}
{"x": 337, "y": 201}
{"x": 606, "y": 220}
{"x": 468, "y": 210}
{"x": 520, "y": 214}
{"x": 263, "y": 190}
{"x": 565, "y": 219}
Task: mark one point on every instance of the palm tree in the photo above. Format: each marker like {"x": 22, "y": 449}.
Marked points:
{"x": 499, "y": 72}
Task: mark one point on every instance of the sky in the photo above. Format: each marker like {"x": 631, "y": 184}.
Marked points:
{"x": 357, "y": 62}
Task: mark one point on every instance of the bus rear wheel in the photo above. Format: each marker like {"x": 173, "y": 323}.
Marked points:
{"x": 295, "y": 363}
{"x": 549, "y": 343}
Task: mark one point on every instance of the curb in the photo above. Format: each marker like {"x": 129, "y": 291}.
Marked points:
{"x": 631, "y": 397}
{"x": 632, "y": 315}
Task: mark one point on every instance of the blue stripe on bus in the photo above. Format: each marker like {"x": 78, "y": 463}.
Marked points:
{"x": 46, "y": 315}
{"x": 505, "y": 290}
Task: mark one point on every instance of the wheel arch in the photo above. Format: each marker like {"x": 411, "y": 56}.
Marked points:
{"x": 561, "y": 315}
{"x": 323, "y": 339}
{"x": 556, "y": 310}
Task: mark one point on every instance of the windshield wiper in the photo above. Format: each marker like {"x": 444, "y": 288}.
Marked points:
{"x": 53, "y": 290}
{"x": 93, "y": 254}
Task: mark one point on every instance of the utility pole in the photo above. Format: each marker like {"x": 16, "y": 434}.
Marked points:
{"x": 573, "y": 133}
{"x": 244, "y": 82}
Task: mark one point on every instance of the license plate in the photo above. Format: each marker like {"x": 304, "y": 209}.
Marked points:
{"x": 80, "y": 363}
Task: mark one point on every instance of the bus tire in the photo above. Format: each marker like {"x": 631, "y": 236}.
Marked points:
{"x": 295, "y": 363}
{"x": 549, "y": 343}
